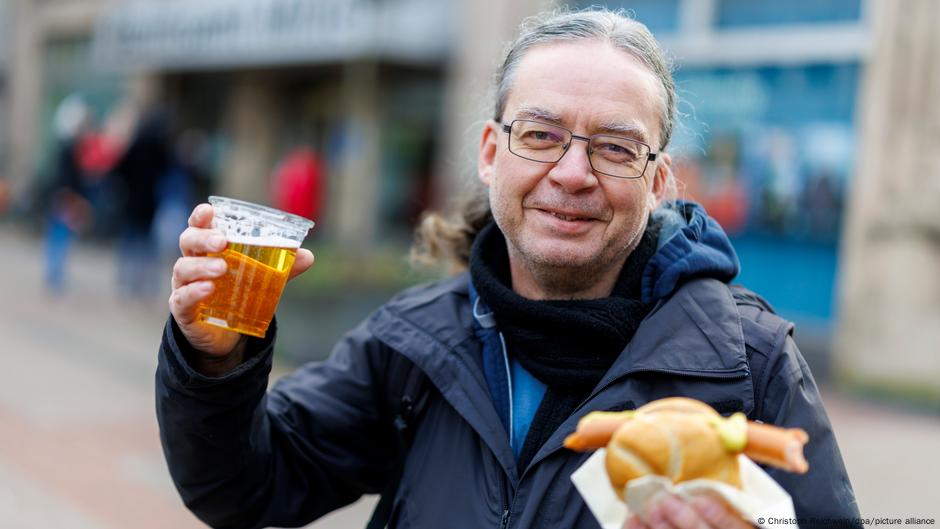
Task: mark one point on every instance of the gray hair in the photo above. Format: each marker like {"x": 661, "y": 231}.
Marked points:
{"x": 616, "y": 28}
{"x": 441, "y": 241}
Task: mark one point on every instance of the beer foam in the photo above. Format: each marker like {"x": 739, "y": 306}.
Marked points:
{"x": 272, "y": 241}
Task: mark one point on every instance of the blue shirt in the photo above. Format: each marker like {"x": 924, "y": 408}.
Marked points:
{"x": 527, "y": 394}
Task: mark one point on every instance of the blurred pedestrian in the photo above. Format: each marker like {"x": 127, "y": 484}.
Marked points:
{"x": 176, "y": 192}
{"x": 587, "y": 287}
{"x": 5, "y": 195}
{"x": 146, "y": 161}
{"x": 70, "y": 209}
{"x": 297, "y": 183}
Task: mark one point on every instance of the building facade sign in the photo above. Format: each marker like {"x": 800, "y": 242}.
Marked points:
{"x": 181, "y": 34}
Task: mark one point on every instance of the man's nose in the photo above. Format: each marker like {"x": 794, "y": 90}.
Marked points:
{"x": 573, "y": 172}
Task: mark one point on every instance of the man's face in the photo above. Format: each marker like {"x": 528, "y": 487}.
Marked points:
{"x": 562, "y": 216}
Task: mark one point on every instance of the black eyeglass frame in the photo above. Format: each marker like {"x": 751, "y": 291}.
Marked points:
{"x": 650, "y": 155}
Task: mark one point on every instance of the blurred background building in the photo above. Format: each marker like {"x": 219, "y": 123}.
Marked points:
{"x": 382, "y": 100}
{"x": 357, "y": 82}
{"x": 889, "y": 321}
{"x": 5, "y": 32}
{"x": 808, "y": 129}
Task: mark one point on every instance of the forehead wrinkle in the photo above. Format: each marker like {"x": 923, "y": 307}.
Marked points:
{"x": 533, "y": 112}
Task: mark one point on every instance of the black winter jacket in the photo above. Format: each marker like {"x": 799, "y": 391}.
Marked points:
{"x": 324, "y": 435}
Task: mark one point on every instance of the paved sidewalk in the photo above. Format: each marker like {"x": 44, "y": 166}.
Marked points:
{"x": 78, "y": 437}
{"x": 79, "y": 447}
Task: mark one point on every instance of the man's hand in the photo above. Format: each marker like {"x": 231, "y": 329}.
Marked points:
{"x": 192, "y": 282}
{"x": 701, "y": 512}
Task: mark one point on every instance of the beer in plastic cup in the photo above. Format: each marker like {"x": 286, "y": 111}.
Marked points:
{"x": 262, "y": 244}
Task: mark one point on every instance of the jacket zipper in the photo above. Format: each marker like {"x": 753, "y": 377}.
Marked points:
{"x": 512, "y": 426}
{"x": 504, "y": 499}
{"x": 504, "y": 519}
{"x": 507, "y": 513}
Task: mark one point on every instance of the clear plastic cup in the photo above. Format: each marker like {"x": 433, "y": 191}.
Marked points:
{"x": 262, "y": 244}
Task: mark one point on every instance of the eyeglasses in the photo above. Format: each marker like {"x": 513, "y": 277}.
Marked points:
{"x": 610, "y": 155}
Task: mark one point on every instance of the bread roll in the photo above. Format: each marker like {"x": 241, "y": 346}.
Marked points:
{"x": 684, "y": 439}
{"x": 676, "y": 440}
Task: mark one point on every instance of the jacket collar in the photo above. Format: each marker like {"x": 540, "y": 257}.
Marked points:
{"x": 691, "y": 245}
{"x": 695, "y": 332}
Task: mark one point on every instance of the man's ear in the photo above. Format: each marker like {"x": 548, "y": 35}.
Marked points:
{"x": 487, "y": 155}
{"x": 661, "y": 177}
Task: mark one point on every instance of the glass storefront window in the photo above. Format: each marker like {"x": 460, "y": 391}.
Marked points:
{"x": 660, "y": 16}
{"x": 410, "y": 141}
{"x": 742, "y": 13}
{"x": 769, "y": 151}
{"x": 779, "y": 139}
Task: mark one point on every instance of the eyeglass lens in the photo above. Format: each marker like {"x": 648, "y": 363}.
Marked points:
{"x": 612, "y": 155}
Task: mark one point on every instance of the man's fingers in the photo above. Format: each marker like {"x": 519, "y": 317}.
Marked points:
{"x": 717, "y": 513}
{"x": 634, "y": 522}
{"x": 201, "y": 217}
{"x": 670, "y": 512}
{"x": 200, "y": 241}
{"x": 199, "y": 238}
{"x": 184, "y": 300}
{"x": 656, "y": 518}
{"x": 681, "y": 515}
{"x": 302, "y": 262}
{"x": 190, "y": 269}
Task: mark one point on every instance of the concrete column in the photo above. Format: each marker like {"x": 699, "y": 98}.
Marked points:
{"x": 25, "y": 78}
{"x": 355, "y": 189}
{"x": 6, "y": 28}
{"x": 889, "y": 333}
{"x": 253, "y": 111}
{"x": 33, "y": 24}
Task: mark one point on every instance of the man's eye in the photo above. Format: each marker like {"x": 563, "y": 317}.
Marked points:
{"x": 541, "y": 136}
{"x": 625, "y": 152}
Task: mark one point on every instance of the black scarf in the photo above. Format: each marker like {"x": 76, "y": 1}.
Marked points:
{"x": 566, "y": 344}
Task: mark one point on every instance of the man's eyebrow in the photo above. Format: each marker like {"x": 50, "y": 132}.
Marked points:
{"x": 633, "y": 130}
{"x": 538, "y": 113}
{"x": 620, "y": 128}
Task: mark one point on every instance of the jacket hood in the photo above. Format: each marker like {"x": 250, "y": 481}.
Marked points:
{"x": 691, "y": 245}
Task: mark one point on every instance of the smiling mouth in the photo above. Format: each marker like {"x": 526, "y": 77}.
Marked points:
{"x": 568, "y": 218}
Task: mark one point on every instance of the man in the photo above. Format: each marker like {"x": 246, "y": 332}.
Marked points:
{"x": 586, "y": 291}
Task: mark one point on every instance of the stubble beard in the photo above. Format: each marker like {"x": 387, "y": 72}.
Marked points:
{"x": 574, "y": 276}
{"x": 566, "y": 278}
